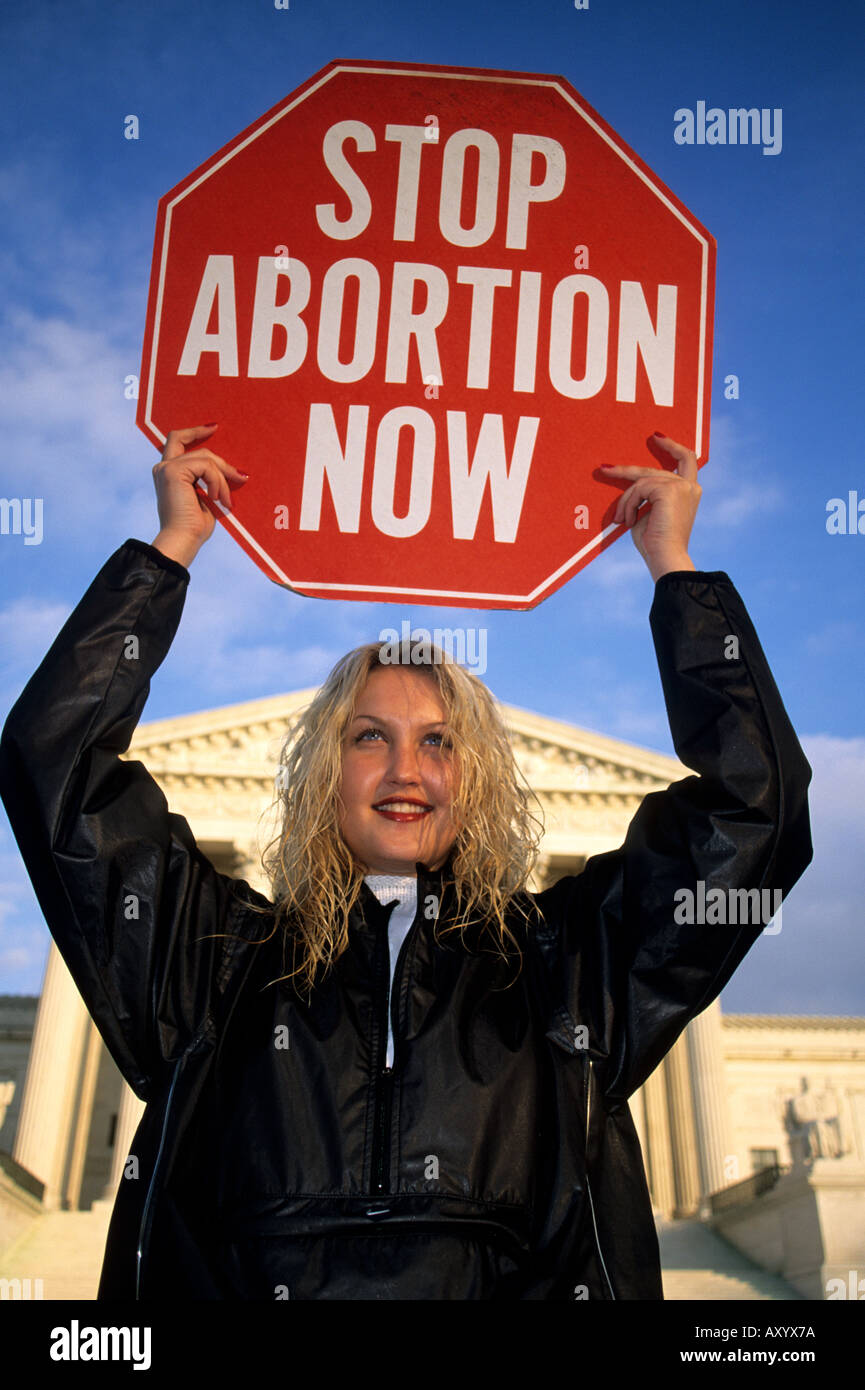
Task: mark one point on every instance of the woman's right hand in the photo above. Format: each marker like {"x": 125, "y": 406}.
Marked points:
{"x": 186, "y": 520}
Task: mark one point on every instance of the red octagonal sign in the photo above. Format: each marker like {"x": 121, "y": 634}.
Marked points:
{"x": 425, "y": 304}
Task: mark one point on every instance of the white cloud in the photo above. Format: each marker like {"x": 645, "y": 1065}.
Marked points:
{"x": 736, "y": 488}
{"x": 69, "y": 431}
{"x": 619, "y": 582}
{"x": 65, "y": 254}
{"x": 733, "y": 496}
{"x": 28, "y": 626}
{"x": 61, "y": 379}
{"x": 814, "y": 964}
{"x": 73, "y": 311}
{"x": 24, "y": 939}
{"x": 242, "y": 637}
{"x": 841, "y": 635}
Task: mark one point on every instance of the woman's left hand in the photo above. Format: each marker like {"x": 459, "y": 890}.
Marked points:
{"x": 662, "y": 529}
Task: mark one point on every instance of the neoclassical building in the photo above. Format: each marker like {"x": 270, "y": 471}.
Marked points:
{"x": 755, "y": 1123}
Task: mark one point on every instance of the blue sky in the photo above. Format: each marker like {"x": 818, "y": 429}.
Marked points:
{"x": 77, "y": 210}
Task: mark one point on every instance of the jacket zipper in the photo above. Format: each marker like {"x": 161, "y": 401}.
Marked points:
{"x": 144, "y": 1227}
{"x": 383, "y": 1111}
{"x": 588, "y": 1187}
{"x": 383, "y": 1076}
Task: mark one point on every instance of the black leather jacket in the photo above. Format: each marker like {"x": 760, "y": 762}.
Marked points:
{"x": 498, "y": 1159}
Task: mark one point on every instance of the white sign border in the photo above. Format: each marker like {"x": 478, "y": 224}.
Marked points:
{"x": 537, "y": 593}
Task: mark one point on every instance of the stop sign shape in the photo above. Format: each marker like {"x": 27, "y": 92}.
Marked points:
{"x": 425, "y": 305}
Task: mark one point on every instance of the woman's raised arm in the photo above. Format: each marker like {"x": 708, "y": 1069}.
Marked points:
{"x": 633, "y": 963}
{"x": 124, "y": 888}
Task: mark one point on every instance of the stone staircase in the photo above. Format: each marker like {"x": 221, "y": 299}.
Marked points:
{"x": 64, "y": 1249}
{"x": 697, "y": 1263}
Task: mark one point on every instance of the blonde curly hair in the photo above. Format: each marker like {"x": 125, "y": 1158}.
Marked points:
{"x": 315, "y": 879}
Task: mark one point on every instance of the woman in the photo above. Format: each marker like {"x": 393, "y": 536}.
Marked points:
{"x": 348, "y": 1099}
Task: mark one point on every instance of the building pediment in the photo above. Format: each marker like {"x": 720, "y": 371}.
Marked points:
{"x": 217, "y": 768}
{"x": 238, "y": 742}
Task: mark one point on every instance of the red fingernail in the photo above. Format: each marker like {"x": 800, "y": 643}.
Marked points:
{"x": 658, "y": 435}
{"x": 211, "y": 425}
{"x": 609, "y": 465}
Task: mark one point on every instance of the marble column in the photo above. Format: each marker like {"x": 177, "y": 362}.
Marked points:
{"x": 661, "y": 1184}
{"x": 83, "y": 1118}
{"x": 57, "y": 1052}
{"x": 249, "y": 867}
{"x": 537, "y": 878}
{"x": 683, "y": 1132}
{"x": 637, "y": 1107}
{"x": 128, "y": 1118}
{"x": 709, "y": 1093}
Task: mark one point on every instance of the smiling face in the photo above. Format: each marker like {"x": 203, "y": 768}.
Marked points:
{"x": 398, "y": 774}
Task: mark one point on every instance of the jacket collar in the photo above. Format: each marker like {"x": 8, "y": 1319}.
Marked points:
{"x": 368, "y": 911}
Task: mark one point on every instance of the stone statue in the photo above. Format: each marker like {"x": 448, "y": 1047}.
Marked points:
{"x": 7, "y": 1091}
{"x": 814, "y": 1124}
